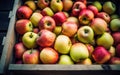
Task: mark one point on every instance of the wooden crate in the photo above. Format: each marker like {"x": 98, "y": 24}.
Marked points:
{"x": 42, "y": 69}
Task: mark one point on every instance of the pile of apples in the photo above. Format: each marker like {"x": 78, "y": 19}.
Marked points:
{"x": 67, "y": 32}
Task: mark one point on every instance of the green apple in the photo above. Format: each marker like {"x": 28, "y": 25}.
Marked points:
{"x": 47, "y": 12}
{"x": 85, "y": 34}
{"x": 79, "y": 52}
{"x": 57, "y": 30}
{"x": 105, "y": 40}
{"x": 112, "y": 51}
{"x": 98, "y": 5}
{"x": 31, "y": 4}
{"x": 35, "y": 18}
{"x": 114, "y": 16}
{"x": 65, "y": 60}
{"x": 115, "y": 24}
{"x": 109, "y": 7}
{"x": 63, "y": 44}
{"x": 29, "y": 39}
{"x": 56, "y": 5}
{"x": 86, "y": 61}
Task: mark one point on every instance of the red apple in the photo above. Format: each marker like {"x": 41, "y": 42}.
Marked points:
{"x": 84, "y": 1}
{"x": 86, "y": 16}
{"x": 19, "y": 62}
{"x": 93, "y": 9}
{"x": 23, "y": 25}
{"x": 73, "y": 19}
{"x": 67, "y": 5}
{"x": 118, "y": 50}
{"x": 31, "y": 57}
{"x": 90, "y": 49}
{"x": 116, "y": 37}
{"x": 59, "y": 18}
{"x": 77, "y": 7}
{"x": 43, "y": 3}
{"x": 46, "y": 38}
{"x": 48, "y": 56}
{"x": 24, "y": 12}
{"x": 36, "y": 30}
{"x": 19, "y": 50}
{"x": 115, "y": 60}
{"x": 104, "y": 16}
{"x": 101, "y": 55}
{"x": 69, "y": 28}
{"x": 47, "y": 22}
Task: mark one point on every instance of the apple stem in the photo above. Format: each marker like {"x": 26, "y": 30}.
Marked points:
{"x": 58, "y": 0}
{"x": 31, "y": 35}
{"x": 31, "y": 51}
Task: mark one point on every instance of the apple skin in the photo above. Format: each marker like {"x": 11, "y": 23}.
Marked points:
{"x": 118, "y": 50}
{"x": 19, "y": 50}
{"x": 23, "y": 25}
{"x": 93, "y": 9}
{"x": 62, "y": 44}
{"x": 101, "y": 55}
{"x": 59, "y": 18}
{"x": 99, "y": 26}
{"x": 105, "y": 38}
{"x": 115, "y": 24}
{"x": 31, "y": 57}
{"x": 47, "y": 22}
{"x": 77, "y": 7}
{"x": 19, "y": 62}
{"x": 90, "y": 49}
{"x": 47, "y": 12}
{"x": 104, "y": 16}
{"x": 114, "y": 16}
{"x": 36, "y": 30}
{"x": 48, "y": 56}
{"x": 73, "y": 19}
{"x": 57, "y": 30}
{"x": 69, "y": 28}
{"x": 98, "y": 5}
{"x": 84, "y": 1}
{"x": 112, "y": 51}
{"x": 24, "y": 12}
{"x": 85, "y": 34}
{"x": 56, "y": 5}
{"x": 85, "y": 16}
{"x": 115, "y": 60}
{"x": 35, "y": 18}
{"x": 116, "y": 37}
{"x": 86, "y": 61}
{"x": 29, "y": 39}
{"x": 46, "y": 38}
{"x": 31, "y": 4}
{"x": 65, "y": 60}
{"x": 43, "y": 3}
{"x": 67, "y": 5}
{"x": 109, "y": 7}
{"x": 79, "y": 52}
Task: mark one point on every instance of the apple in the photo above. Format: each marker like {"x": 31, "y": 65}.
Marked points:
{"x": 85, "y": 16}
{"x": 90, "y": 49}
{"x": 104, "y": 16}
{"x": 46, "y": 38}
{"x": 57, "y": 30}
{"x": 98, "y": 5}
{"x": 19, "y": 50}
{"x": 114, "y": 16}
{"x": 65, "y": 60}
{"x": 116, "y": 37}
{"x": 62, "y": 44}
{"x": 56, "y": 5}
{"x": 101, "y": 55}
{"x": 48, "y": 56}
{"x": 19, "y": 62}
{"x": 85, "y": 34}
{"x": 84, "y": 1}
{"x": 24, "y": 12}
{"x": 93, "y": 9}
{"x": 79, "y": 52}
{"x": 109, "y": 7}
{"x": 47, "y": 12}
{"x": 66, "y": 14}
{"x": 105, "y": 38}
{"x": 31, "y": 56}
{"x": 29, "y": 39}
{"x": 115, "y": 24}
{"x": 118, "y": 50}
{"x": 69, "y": 28}
{"x": 31, "y": 4}
{"x": 99, "y": 26}
{"x": 43, "y": 3}
{"x": 47, "y": 22}
{"x": 67, "y": 5}
{"x": 86, "y": 61}
{"x": 23, "y": 25}
{"x": 112, "y": 51}
{"x": 77, "y": 7}
{"x": 35, "y": 18}
{"x": 36, "y": 30}
{"x": 59, "y": 18}
{"x": 115, "y": 60}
